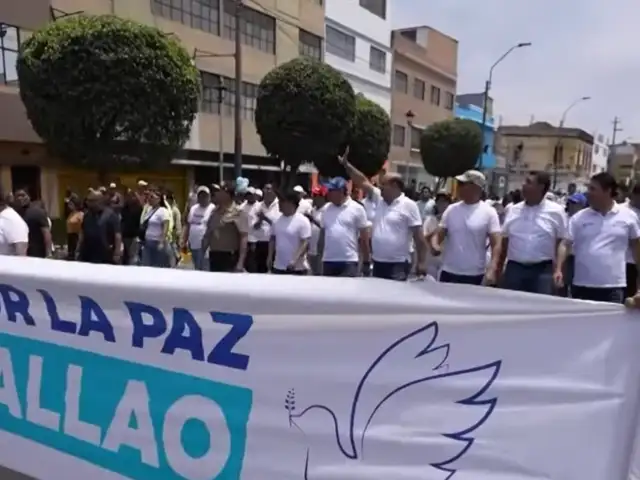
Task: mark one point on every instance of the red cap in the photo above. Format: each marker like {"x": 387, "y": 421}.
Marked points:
{"x": 319, "y": 191}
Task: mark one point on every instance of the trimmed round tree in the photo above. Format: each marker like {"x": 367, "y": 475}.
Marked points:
{"x": 101, "y": 89}
{"x": 304, "y": 112}
{"x": 451, "y": 147}
{"x": 369, "y": 141}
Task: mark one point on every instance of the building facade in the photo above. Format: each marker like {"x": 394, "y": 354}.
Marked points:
{"x": 273, "y": 32}
{"x": 600, "y": 153}
{"x": 425, "y": 69}
{"x": 566, "y": 153}
{"x": 358, "y": 44}
{"x": 469, "y": 107}
{"x": 624, "y": 162}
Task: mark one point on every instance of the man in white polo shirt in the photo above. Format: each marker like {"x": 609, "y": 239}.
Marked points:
{"x": 344, "y": 235}
{"x": 599, "y": 237}
{"x": 464, "y": 231}
{"x": 530, "y": 236}
{"x": 396, "y": 223}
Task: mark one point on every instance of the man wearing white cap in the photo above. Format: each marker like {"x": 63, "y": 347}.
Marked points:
{"x": 462, "y": 235}
{"x": 251, "y": 207}
{"x": 196, "y": 226}
{"x": 305, "y": 206}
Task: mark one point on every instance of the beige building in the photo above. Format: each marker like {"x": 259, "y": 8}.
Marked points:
{"x": 425, "y": 68}
{"x": 274, "y": 32}
{"x": 563, "y": 152}
{"x": 624, "y": 162}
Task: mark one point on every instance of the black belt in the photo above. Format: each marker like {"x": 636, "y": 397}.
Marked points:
{"x": 543, "y": 263}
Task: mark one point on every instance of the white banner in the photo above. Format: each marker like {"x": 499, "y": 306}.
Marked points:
{"x": 122, "y": 372}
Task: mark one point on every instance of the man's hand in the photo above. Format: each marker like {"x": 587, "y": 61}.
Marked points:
{"x": 558, "y": 279}
{"x": 436, "y": 251}
{"x": 239, "y": 268}
{"x": 490, "y": 277}
{"x": 421, "y": 271}
{"x": 344, "y": 158}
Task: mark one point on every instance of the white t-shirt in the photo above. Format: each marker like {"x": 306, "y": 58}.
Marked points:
{"x": 600, "y": 243}
{"x": 252, "y": 209}
{"x": 391, "y": 231}
{"x": 305, "y": 206}
{"x": 13, "y": 229}
{"x": 288, "y": 233}
{"x": 342, "y": 225}
{"x": 155, "y": 226}
{"x": 272, "y": 212}
{"x": 317, "y": 214}
{"x": 534, "y": 231}
{"x": 629, "y": 255}
{"x": 197, "y": 219}
{"x": 465, "y": 245}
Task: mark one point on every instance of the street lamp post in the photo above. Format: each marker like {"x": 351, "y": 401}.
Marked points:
{"x": 410, "y": 116}
{"x": 558, "y": 148}
{"x": 487, "y": 89}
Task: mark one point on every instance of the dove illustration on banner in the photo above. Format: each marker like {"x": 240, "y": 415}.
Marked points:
{"x": 380, "y": 431}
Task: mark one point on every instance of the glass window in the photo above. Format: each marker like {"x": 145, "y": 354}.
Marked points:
{"x": 377, "y": 7}
{"x": 449, "y": 100}
{"x": 198, "y": 14}
{"x": 309, "y": 45}
{"x": 210, "y": 102}
{"x": 419, "y": 88}
{"x": 416, "y": 133}
{"x": 401, "y": 82}
{"x": 341, "y": 44}
{"x": 377, "y": 60}
{"x": 399, "y": 133}
{"x": 435, "y": 95}
{"x": 10, "y": 39}
{"x": 258, "y": 30}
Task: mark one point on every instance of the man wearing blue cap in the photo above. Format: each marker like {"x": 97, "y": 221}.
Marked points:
{"x": 344, "y": 238}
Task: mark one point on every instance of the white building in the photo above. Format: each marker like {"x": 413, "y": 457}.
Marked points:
{"x": 600, "y": 153}
{"x": 358, "y": 44}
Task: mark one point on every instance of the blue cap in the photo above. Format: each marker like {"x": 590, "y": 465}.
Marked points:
{"x": 336, "y": 183}
{"x": 578, "y": 198}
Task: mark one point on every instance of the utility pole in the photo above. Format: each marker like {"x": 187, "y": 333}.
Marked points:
{"x": 221, "y": 89}
{"x": 237, "y": 164}
{"x": 616, "y": 129}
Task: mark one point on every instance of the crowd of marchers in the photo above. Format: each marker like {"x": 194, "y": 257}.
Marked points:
{"x": 584, "y": 246}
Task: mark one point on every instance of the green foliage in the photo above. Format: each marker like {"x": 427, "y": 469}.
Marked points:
{"x": 369, "y": 141}
{"x": 304, "y": 112}
{"x": 451, "y": 147}
{"x": 100, "y": 89}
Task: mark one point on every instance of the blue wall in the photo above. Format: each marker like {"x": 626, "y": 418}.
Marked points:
{"x": 472, "y": 112}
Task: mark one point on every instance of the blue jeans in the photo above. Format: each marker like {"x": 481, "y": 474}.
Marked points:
{"x": 446, "y": 277}
{"x": 197, "y": 256}
{"x": 340, "y": 269}
{"x": 154, "y": 256}
{"x": 532, "y": 278}
{"x": 609, "y": 295}
{"x": 391, "y": 270}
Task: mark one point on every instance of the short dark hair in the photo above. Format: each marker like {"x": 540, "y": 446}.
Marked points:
{"x": 542, "y": 178}
{"x": 292, "y": 197}
{"x": 397, "y": 181}
{"x": 606, "y": 182}
{"x": 636, "y": 189}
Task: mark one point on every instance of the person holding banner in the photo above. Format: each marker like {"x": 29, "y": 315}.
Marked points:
{"x": 396, "y": 223}
{"x": 599, "y": 236}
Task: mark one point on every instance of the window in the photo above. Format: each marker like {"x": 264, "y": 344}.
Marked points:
{"x": 596, "y": 149}
{"x": 10, "y": 40}
{"x": 416, "y": 133}
{"x": 340, "y": 44}
{"x": 401, "y": 82}
{"x": 377, "y": 60}
{"x": 309, "y": 45}
{"x": 200, "y": 14}
{"x": 449, "y": 100}
{"x": 377, "y": 7}
{"x": 419, "y": 88}
{"x": 435, "y": 95}
{"x": 210, "y": 96}
{"x": 257, "y": 30}
{"x": 399, "y": 133}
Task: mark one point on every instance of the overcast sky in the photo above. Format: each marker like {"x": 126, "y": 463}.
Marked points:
{"x": 580, "y": 48}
